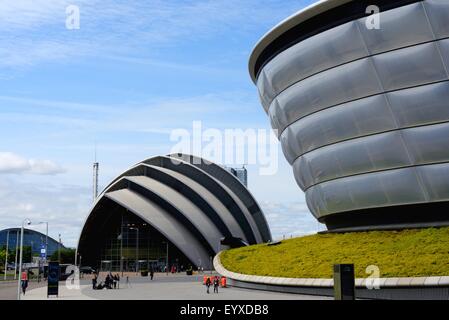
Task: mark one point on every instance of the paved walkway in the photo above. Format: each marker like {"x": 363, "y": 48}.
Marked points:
{"x": 171, "y": 287}
{"x": 8, "y": 289}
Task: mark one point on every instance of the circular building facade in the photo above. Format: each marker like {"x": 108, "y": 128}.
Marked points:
{"x": 362, "y": 110}
{"x": 175, "y": 208}
{"x": 31, "y": 238}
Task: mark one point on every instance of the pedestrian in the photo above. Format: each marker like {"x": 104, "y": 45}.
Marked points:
{"x": 94, "y": 281}
{"x": 208, "y": 283}
{"x": 118, "y": 280}
{"x": 216, "y": 284}
{"x": 24, "y": 281}
{"x": 107, "y": 282}
{"x": 151, "y": 273}
{"x": 114, "y": 278}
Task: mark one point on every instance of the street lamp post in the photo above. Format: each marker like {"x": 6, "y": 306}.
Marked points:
{"x": 137, "y": 248}
{"x": 120, "y": 237}
{"x": 7, "y": 250}
{"x": 121, "y": 247}
{"x": 46, "y": 249}
{"x": 17, "y": 253}
{"x": 59, "y": 249}
{"x": 31, "y": 251}
{"x": 28, "y": 222}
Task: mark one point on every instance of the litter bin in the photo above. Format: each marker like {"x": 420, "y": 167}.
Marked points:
{"x": 344, "y": 282}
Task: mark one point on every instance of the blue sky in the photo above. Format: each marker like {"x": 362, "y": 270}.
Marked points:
{"x": 134, "y": 71}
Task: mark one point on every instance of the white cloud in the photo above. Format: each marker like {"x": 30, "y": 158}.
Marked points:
{"x": 64, "y": 207}
{"x": 290, "y": 219}
{"x": 65, "y": 214}
{"x": 115, "y": 28}
{"x": 14, "y": 164}
{"x": 45, "y": 167}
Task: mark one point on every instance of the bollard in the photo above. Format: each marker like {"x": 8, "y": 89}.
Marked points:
{"x": 223, "y": 282}
{"x": 344, "y": 282}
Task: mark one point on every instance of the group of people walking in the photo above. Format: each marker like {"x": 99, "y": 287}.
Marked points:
{"x": 215, "y": 282}
{"x": 110, "y": 282}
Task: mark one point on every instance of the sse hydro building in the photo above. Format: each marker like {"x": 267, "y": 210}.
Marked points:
{"x": 363, "y": 114}
{"x": 178, "y": 208}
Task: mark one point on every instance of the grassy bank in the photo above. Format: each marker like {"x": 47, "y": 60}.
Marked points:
{"x": 420, "y": 252}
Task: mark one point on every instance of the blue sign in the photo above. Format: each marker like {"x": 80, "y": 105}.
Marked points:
{"x": 43, "y": 252}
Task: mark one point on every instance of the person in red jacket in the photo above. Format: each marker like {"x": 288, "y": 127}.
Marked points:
{"x": 24, "y": 279}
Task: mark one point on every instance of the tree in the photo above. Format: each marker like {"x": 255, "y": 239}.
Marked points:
{"x": 27, "y": 256}
{"x": 11, "y": 256}
{"x": 67, "y": 256}
{"x": 2, "y": 258}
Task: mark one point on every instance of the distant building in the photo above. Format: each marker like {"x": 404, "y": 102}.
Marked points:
{"x": 239, "y": 173}
{"x": 174, "y": 211}
{"x": 32, "y": 238}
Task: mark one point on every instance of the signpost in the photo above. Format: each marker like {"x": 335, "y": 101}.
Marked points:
{"x": 53, "y": 279}
{"x": 42, "y": 260}
{"x": 43, "y": 252}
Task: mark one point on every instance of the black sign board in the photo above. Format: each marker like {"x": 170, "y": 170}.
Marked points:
{"x": 53, "y": 279}
{"x": 344, "y": 282}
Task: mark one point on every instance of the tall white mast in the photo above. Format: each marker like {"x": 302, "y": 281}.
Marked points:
{"x": 96, "y": 167}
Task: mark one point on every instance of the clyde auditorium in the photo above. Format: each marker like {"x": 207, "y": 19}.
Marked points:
{"x": 362, "y": 114}
{"x": 175, "y": 210}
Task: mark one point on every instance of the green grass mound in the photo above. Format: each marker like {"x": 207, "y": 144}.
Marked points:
{"x": 407, "y": 253}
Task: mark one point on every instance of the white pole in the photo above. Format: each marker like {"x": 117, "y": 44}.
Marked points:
{"x": 138, "y": 264}
{"x": 17, "y": 253}
{"x": 46, "y": 244}
{"x": 121, "y": 247}
{"x": 20, "y": 261}
{"x": 59, "y": 249}
{"x": 7, "y": 250}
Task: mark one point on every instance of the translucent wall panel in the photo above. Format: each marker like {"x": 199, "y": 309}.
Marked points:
{"x": 342, "y": 84}
{"x": 428, "y": 144}
{"x": 437, "y": 11}
{"x": 358, "y": 156}
{"x": 444, "y": 49}
{"x": 399, "y": 28}
{"x": 408, "y": 67}
{"x": 350, "y": 120}
{"x": 421, "y": 105}
{"x": 313, "y": 55}
{"x": 265, "y": 90}
{"x": 380, "y": 189}
{"x": 436, "y": 182}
